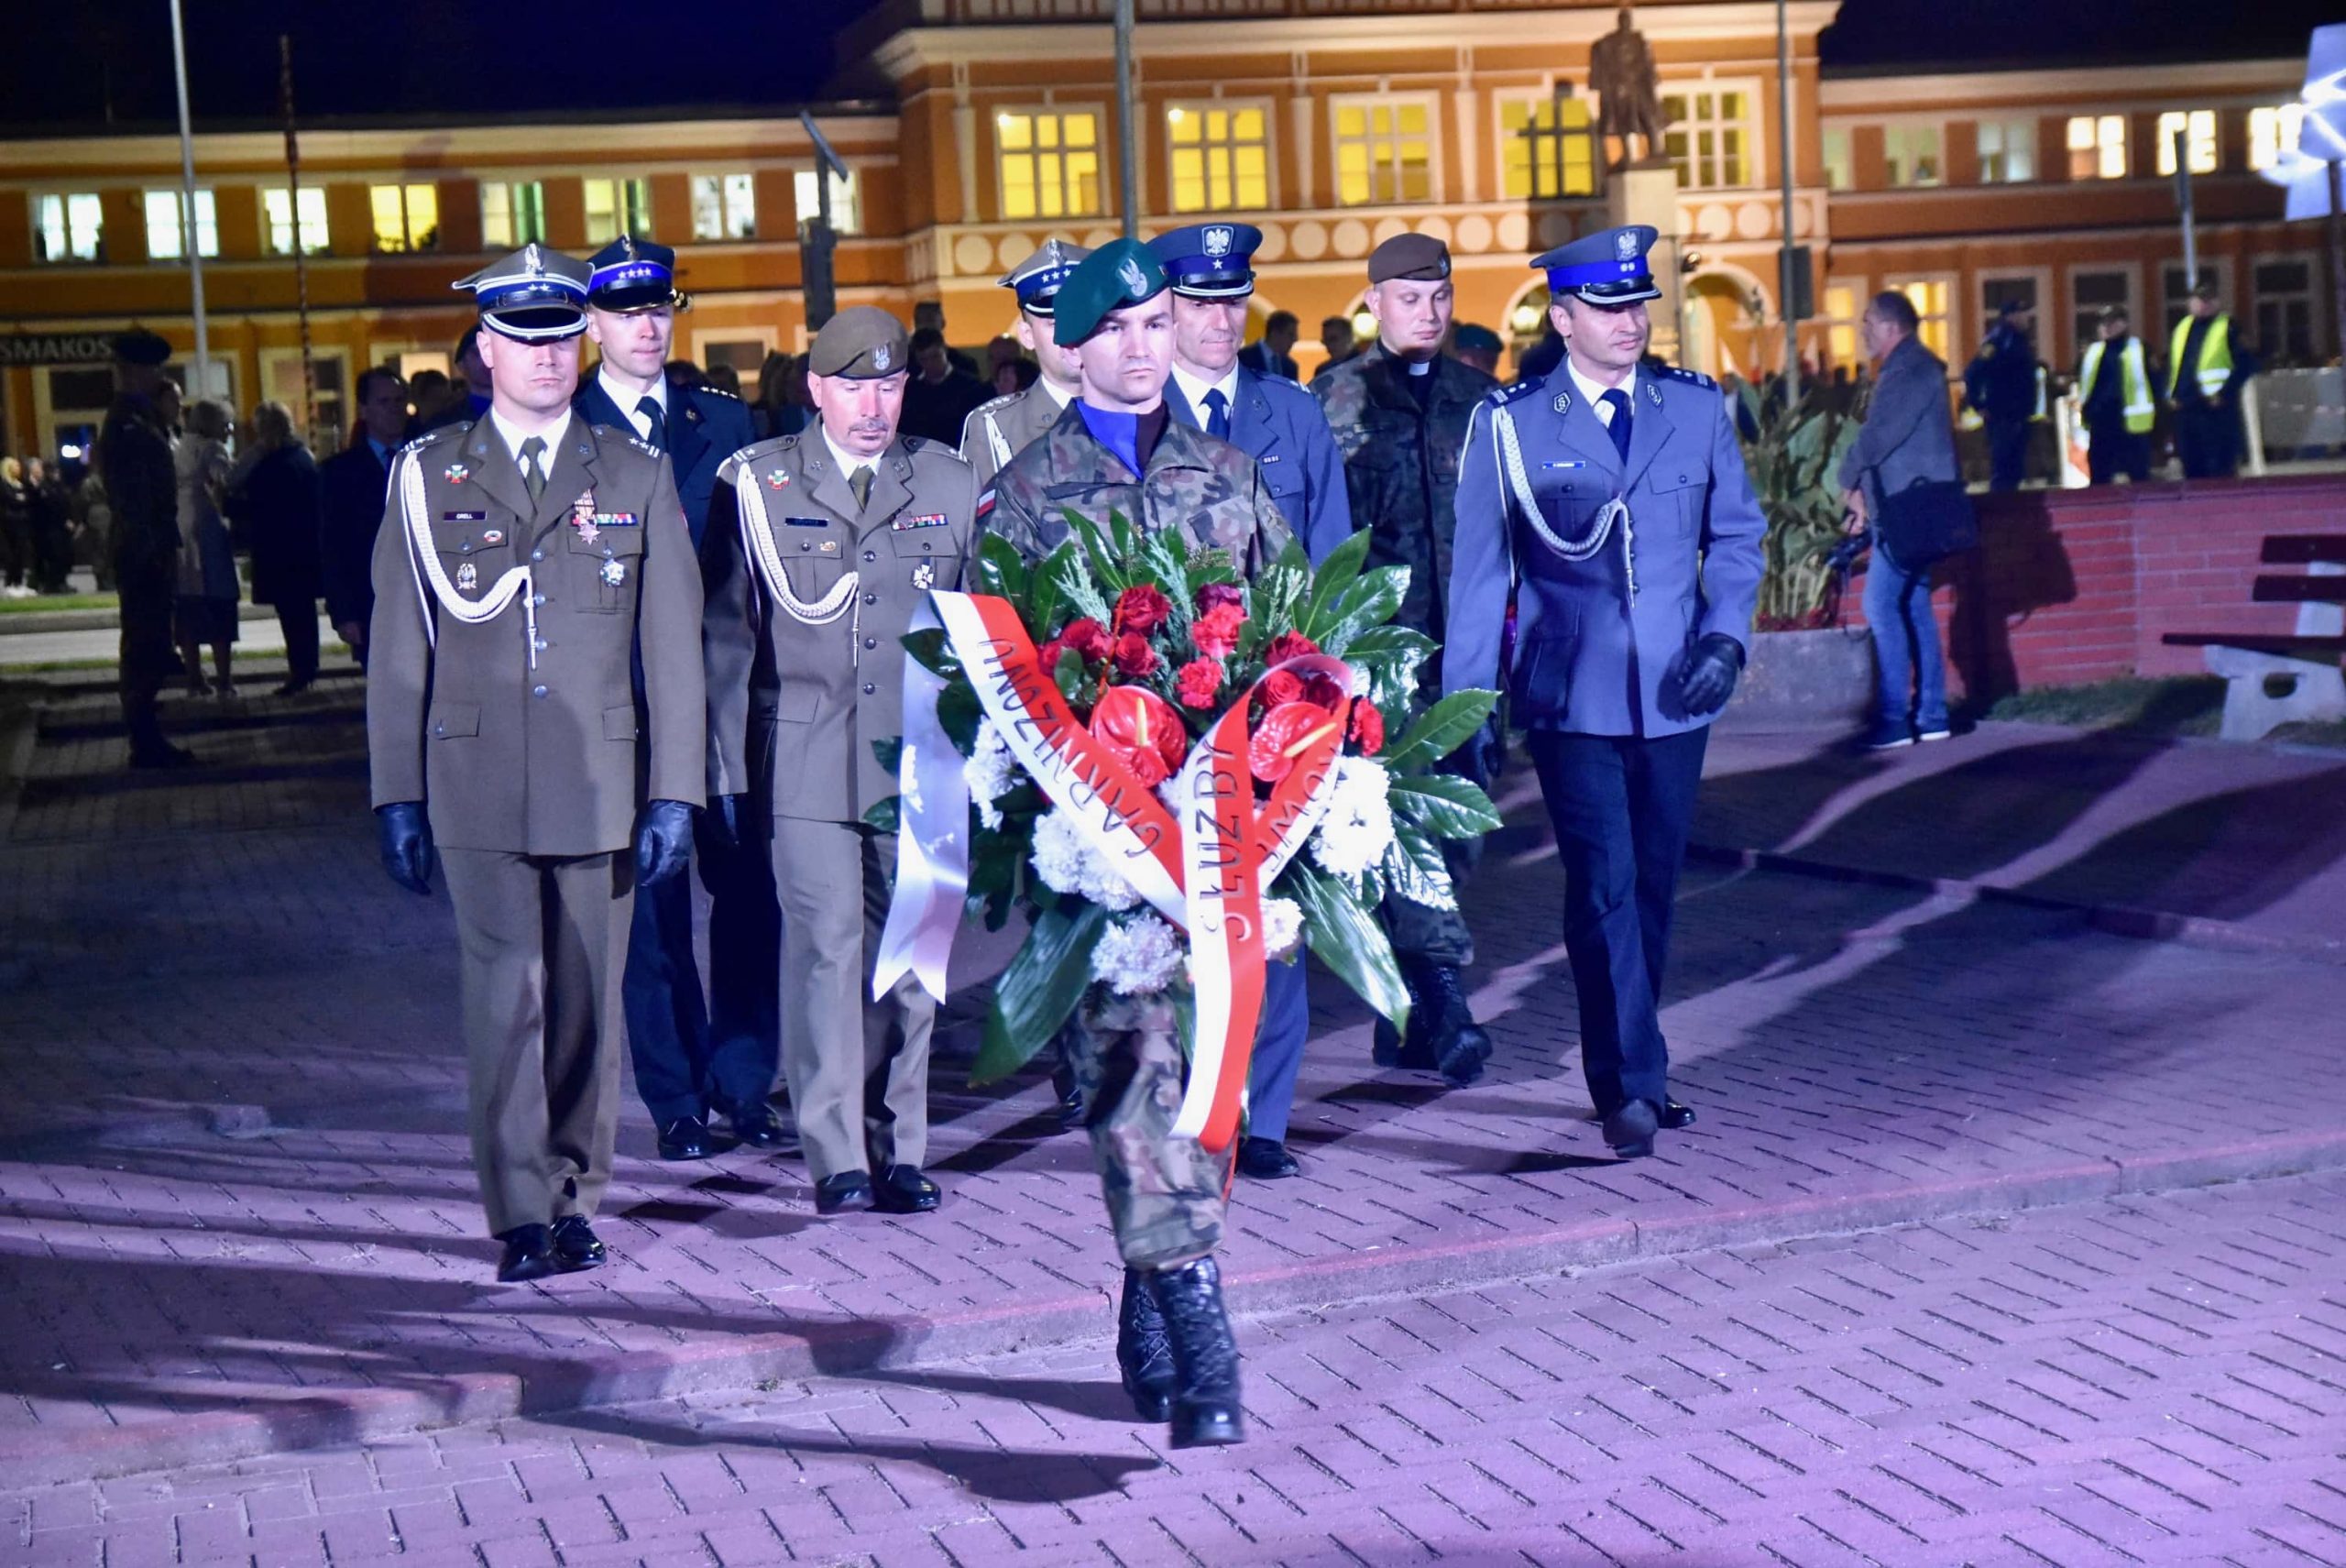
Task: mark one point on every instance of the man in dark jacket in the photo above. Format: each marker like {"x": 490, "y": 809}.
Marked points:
{"x": 135, "y": 459}
{"x": 277, "y": 506}
{"x": 351, "y": 486}
{"x": 2001, "y": 382}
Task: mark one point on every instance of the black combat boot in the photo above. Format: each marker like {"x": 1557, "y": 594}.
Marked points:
{"x": 1458, "y": 1044}
{"x": 1063, "y": 1085}
{"x": 1205, "y": 1358}
{"x": 1391, "y": 1046}
{"x": 1143, "y": 1354}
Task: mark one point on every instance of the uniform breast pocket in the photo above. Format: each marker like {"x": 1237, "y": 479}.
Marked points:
{"x": 1570, "y": 507}
{"x": 926, "y": 557}
{"x": 1679, "y": 493}
{"x": 603, "y": 569}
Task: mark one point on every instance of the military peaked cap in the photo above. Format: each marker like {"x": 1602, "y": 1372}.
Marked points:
{"x": 1209, "y": 261}
{"x": 1037, "y": 279}
{"x": 536, "y": 294}
{"x": 1605, "y": 268}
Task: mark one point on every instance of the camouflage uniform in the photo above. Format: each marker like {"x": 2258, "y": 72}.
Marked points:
{"x": 1165, "y": 1194}
{"x": 1401, "y": 473}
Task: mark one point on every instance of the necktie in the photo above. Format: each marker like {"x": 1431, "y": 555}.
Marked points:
{"x": 654, "y": 422}
{"x": 860, "y": 483}
{"x": 532, "y": 475}
{"x": 1217, "y": 413}
{"x": 1618, "y": 401}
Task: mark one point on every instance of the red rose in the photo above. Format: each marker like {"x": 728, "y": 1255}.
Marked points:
{"x": 1281, "y": 686}
{"x": 1368, "y": 727}
{"x": 1327, "y": 691}
{"x": 1134, "y": 656}
{"x": 1140, "y": 730}
{"x": 1142, "y": 609}
{"x": 1199, "y": 682}
{"x": 1216, "y": 631}
{"x": 1213, "y": 596}
{"x": 1089, "y": 638}
{"x": 1288, "y": 645}
{"x": 1282, "y": 737}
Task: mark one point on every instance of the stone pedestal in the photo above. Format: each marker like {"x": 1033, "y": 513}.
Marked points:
{"x": 1646, "y": 192}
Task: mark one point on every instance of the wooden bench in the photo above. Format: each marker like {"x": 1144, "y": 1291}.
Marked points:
{"x": 2278, "y": 677}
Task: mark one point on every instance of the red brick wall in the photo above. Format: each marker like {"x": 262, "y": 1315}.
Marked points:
{"x": 2075, "y": 585}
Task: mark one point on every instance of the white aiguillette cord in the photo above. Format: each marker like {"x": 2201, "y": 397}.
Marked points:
{"x": 757, "y": 532}
{"x": 424, "y": 554}
{"x": 1615, "y": 511}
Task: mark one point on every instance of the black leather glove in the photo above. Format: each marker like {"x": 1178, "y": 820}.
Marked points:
{"x": 1712, "y": 671}
{"x": 1479, "y": 760}
{"x": 664, "y": 842}
{"x": 406, "y": 840}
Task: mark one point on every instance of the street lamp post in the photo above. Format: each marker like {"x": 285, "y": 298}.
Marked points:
{"x": 1785, "y": 259}
{"x": 199, "y": 378}
{"x": 1127, "y": 154}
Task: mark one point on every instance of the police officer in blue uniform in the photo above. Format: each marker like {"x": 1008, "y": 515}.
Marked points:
{"x": 691, "y": 1056}
{"x": 1278, "y": 424}
{"x": 1614, "y": 501}
{"x": 2001, "y": 382}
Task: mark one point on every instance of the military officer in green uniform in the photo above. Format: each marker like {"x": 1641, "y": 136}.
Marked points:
{"x": 1116, "y": 449}
{"x": 821, "y": 546}
{"x": 1399, "y": 411}
{"x": 999, "y": 431}
{"x": 522, "y": 560}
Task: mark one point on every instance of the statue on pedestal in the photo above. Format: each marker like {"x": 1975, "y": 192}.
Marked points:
{"x": 1621, "y": 73}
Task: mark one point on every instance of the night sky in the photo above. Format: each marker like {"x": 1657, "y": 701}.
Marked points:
{"x": 73, "y": 64}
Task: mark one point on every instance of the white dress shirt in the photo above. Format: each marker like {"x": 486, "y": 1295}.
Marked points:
{"x": 1593, "y": 392}
{"x": 552, "y": 435}
{"x": 1196, "y": 391}
{"x": 848, "y": 461}
{"x": 625, "y": 399}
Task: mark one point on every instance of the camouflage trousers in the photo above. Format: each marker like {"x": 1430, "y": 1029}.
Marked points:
{"x": 1164, "y": 1195}
{"x": 1436, "y": 936}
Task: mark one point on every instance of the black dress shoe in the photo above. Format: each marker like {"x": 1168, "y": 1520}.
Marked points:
{"x": 1143, "y": 1354}
{"x": 903, "y": 1190}
{"x": 165, "y": 755}
{"x": 1266, "y": 1159}
{"x": 849, "y": 1191}
{"x": 686, "y": 1137}
{"x": 529, "y": 1255}
{"x": 1674, "y": 1115}
{"x": 1629, "y": 1131}
{"x": 1206, "y": 1411}
{"x": 756, "y": 1126}
{"x": 575, "y": 1245}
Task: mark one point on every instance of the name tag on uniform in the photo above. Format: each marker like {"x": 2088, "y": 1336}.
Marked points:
{"x": 807, "y": 522}
{"x": 1564, "y": 463}
{"x": 616, "y": 520}
{"x": 464, "y": 517}
{"x": 925, "y": 519}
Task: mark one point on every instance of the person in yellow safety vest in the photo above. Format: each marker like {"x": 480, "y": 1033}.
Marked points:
{"x": 2207, "y": 367}
{"x": 2115, "y": 387}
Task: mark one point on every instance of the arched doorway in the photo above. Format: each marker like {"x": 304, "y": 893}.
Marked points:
{"x": 1727, "y": 312}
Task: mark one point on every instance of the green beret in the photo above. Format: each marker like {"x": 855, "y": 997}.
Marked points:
{"x": 1122, "y": 272}
{"x": 861, "y": 343}
{"x": 1420, "y": 258}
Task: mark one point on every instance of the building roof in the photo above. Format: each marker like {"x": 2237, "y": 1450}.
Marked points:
{"x": 1882, "y": 37}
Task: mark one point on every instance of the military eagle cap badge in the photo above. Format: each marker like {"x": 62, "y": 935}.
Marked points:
{"x": 1218, "y": 238}
{"x": 1134, "y": 281}
{"x": 1624, "y": 245}
{"x": 880, "y": 357}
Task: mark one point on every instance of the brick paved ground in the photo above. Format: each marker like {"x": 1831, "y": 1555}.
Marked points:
{"x": 2158, "y": 1381}
{"x": 235, "y": 1211}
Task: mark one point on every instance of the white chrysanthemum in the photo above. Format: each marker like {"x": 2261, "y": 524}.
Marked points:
{"x": 1139, "y": 957}
{"x": 1282, "y": 929}
{"x": 992, "y": 772}
{"x": 1358, "y": 826}
{"x": 1067, "y": 862}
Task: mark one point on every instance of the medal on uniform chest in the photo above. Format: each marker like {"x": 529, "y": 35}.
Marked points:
{"x": 468, "y": 578}
{"x": 925, "y": 573}
{"x": 456, "y": 472}
{"x": 614, "y": 573}
{"x": 777, "y": 478}
{"x": 582, "y": 518}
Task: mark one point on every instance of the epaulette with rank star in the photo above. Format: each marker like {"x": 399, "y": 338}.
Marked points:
{"x": 1680, "y": 373}
{"x": 643, "y": 445}
{"x": 1002, "y": 401}
{"x": 437, "y": 434}
{"x": 1511, "y": 392}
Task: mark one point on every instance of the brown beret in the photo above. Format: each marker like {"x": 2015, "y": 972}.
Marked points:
{"x": 861, "y": 343}
{"x": 1418, "y": 257}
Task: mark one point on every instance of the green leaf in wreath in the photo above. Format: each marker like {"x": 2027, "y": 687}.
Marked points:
{"x": 889, "y": 752}
{"x": 1370, "y": 600}
{"x": 1441, "y": 729}
{"x": 1415, "y": 869}
{"x": 1336, "y": 574}
{"x": 958, "y": 713}
{"x": 882, "y": 817}
{"x": 1035, "y": 995}
{"x": 1442, "y": 804}
{"x": 1345, "y": 935}
{"x": 928, "y": 650}
{"x": 1390, "y": 642}
{"x": 1000, "y": 569}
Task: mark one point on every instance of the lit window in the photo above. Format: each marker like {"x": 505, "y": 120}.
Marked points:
{"x": 407, "y": 218}
{"x": 1929, "y": 297}
{"x": 2198, "y": 129}
{"x": 2272, "y": 134}
{"x": 1048, "y": 163}
{"x": 1911, "y": 155}
{"x": 70, "y": 228}
{"x": 1546, "y": 147}
{"x": 1384, "y": 151}
{"x": 2006, "y": 152}
{"x": 512, "y": 214}
{"x": 2098, "y": 146}
{"x": 1841, "y": 170}
{"x": 1839, "y": 316}
{"x": 1709, "y": 137}
{"x": 725, "y": 206}
{"x": 276, "y": 210}
{"x": 616, "y": 207}
{"x": 1222, "y": 157}
{"x": 163, "y": 241}
{"x": 847, "y": 201}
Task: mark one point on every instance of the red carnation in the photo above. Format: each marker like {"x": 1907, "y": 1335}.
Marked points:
{"x": 1089, "y": 638}
{"x": 1134, "y": 656}
{"x": 1141, "y": 731}
{"x": 1213, "y": 596}
{"x": 1199, "y": 684}
{"x": 1281, "y": 686}
{"x": 1047, "y": 657}
{"x": 1288, "y": 645}
{"x": 1283, "y": 736}
{"x": 1142, "y": 609}
{"x": 1216, "y": 631}
{"x": 1368, "y": 727}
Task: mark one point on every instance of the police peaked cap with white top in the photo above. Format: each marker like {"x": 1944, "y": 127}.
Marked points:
{"x": 1209, "y": 261}
{"x": 1608, "y": 268}
{"x": 535, "y": 295}
{"x": 862, "y": 343}
{"x": 631, "y": 274}
{"x": 1037, "y": 279}
{"x": 1121, "y": 273}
